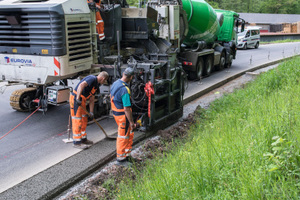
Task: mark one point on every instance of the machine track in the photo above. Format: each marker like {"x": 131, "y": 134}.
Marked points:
{"x": 20, "y": 100}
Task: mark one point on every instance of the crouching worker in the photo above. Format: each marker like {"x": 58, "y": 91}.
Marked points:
{"x": 122, "y": 112}
{"x": 85, "y": 90}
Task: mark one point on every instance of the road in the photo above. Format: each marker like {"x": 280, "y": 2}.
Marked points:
{"x": 37, "y": 144}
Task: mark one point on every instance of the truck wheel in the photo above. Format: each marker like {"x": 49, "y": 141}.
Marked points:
{"x": 222, "y": 62}
{"x": 196, "y": 75}
{"x": 199, "y": 68}
{"x": 245, "y": 46}
{"x": 257, "y": 45}
{"x": 209, "y": 63}
{"x": 229, "y": 63}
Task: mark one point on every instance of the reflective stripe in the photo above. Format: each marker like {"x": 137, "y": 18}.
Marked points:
{"x": 77, "y": 140}
{"x": 122, "y": 155}
{"x": 77, "y": 118}
{"x": 99, "y": 21}
{"x": 84, "y": 115}
{"x": 101, "y": 34}
{"x": 123, "y": 137}
{"x": 77, "y": 135}
{"x": 102, "y": 38}
{"x": 126, "y": 150}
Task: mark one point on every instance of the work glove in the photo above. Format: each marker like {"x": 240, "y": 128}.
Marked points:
{"x": 91, "y": 116}
{"x": 78, "y": 102}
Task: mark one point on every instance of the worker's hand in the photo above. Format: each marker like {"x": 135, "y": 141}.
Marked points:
{"x": 132, "y": 126}
{"x": 78, "y": 102}
{"x": 91, "y": 116}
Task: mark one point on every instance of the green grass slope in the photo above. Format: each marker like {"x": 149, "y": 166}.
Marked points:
{"x": 245, "y": 146}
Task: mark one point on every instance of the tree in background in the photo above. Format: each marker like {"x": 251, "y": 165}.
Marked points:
{"x": 214, "y": 3}
{"x": 280, "y": 6}
{"x": 249, "y": 6}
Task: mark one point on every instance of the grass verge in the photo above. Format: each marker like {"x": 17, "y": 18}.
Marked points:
{"x": 246, "y": 146}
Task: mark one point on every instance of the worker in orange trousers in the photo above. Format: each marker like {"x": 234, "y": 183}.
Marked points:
{"x": 99, "y": 20}
{"x": 85, "y": 90}
{"x": 122, "y": 112}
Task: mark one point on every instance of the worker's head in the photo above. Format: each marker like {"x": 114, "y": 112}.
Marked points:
{"x": 102, "y": 77}
{"x": 128, "y": 74}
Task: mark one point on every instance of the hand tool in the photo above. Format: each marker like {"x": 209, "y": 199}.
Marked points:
{"x": 107, "y": 136}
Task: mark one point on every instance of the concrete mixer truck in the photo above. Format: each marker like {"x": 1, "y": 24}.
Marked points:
{"x": 43, "y": 43}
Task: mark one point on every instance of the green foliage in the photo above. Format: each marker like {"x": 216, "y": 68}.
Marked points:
{"x": 245, "y": 146}
{"x": 134, "y": 3}
{"x": 249, "y": 6}
{"x": 214, "y": 4}
{"x": 284, "y": 157}
{"x": 280, "y": 7}
{"x": 258, "y": 6}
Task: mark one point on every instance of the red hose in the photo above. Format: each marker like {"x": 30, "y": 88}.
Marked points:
{"x": 149, "y": 91}
{"x": 19, "y": 123}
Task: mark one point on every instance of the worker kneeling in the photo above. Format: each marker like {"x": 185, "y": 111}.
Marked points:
{"x": 85, "y": 90}
{"x": 122, "y": 112}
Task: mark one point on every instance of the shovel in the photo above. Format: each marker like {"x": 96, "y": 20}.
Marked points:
{"x": 107, "y": 136}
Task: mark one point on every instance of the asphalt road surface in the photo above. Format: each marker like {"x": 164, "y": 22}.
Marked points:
{"x": 37, "y": 143}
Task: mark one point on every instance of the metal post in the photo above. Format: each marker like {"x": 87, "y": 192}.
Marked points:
{"x": 119, "y": 56}
{"x": 69, "y": 139}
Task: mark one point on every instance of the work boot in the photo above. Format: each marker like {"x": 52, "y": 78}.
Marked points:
{"x": 123, "y": 163}
{"x": 81, "y": 146}
{"x": 88, "y": 142}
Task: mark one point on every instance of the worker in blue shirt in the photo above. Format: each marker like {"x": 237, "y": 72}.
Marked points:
{"x": 85, "y": 90}
{"x": 122, "y": 112}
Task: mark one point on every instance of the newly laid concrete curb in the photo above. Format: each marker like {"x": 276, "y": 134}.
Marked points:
{"x": 67, "y": 173}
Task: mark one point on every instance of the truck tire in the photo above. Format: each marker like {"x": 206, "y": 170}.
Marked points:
{"x": 256, "y": 45}
{"x": 222, "y": 62}
{"x": 245, "y": 47}
{"x": 196, "y": 75}
{"x": 209, "y": 63}
{"x": 229, "y": 63}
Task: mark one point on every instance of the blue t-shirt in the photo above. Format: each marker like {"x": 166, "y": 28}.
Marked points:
{"x": 93, "y": 85}
{"x": 121, "y": 93}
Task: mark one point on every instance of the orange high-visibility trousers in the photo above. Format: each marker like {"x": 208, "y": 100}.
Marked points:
{"x": 99, "y": 23}
{"x": 125, "y": 137}
{"x": 79, "y": 119}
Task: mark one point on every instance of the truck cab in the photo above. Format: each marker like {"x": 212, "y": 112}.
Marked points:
{"x": 250, "y": 37}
